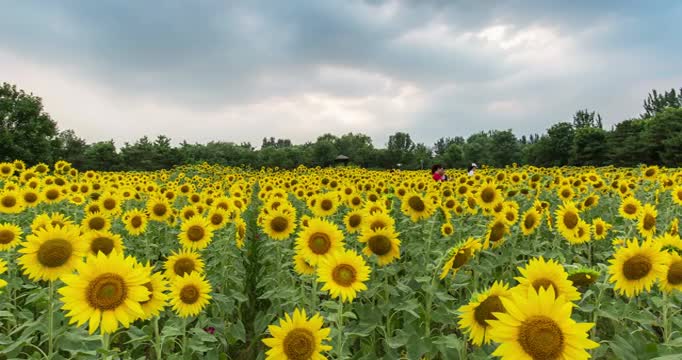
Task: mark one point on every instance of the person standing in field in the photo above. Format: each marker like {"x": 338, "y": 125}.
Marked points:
{"x": 472, "y": 169}
{"x": 438, "y": 173}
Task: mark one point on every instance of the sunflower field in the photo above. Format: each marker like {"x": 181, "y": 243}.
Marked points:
{"x": 210, "y": 262}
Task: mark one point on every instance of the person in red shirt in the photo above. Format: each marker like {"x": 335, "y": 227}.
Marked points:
{"x": 438, "y": 173}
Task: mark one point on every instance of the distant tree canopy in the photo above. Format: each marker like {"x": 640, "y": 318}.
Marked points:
{"x": 28, "y": 133}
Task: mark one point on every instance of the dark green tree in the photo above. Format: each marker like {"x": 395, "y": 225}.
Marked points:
{"x": 589, "y": 147}
{"x": 504, "y": 148}
{"x": 400, "y": 149}
{"x": 101, "y": 156}
{"x": 26, "y": 131}
{"x": 657, "y": 102}
{"x": 587, "y": 119}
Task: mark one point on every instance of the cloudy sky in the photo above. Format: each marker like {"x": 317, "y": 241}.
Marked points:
{"x": 241, "y": 70}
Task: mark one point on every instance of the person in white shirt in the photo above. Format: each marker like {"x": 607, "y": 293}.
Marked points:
{"x": 472, "y": 169}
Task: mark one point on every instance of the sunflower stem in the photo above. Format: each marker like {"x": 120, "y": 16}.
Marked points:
{"x": 666, "y": 320}
{"x": 184, "y": 337}
{"x": 105, "y": 344}
{"x": 339, "y": 325}
{"x": 313, "y": 294}
{"x": 50, "y": 321}
{"x": 158, "y": 346}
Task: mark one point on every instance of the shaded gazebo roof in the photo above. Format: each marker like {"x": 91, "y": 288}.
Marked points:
{"x": 342, "y": 157}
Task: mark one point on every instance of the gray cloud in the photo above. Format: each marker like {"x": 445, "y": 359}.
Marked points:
{"x": 432, "y": 68}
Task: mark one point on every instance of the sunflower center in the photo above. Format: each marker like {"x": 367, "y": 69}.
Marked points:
{"x": 675, "y": 273}
{"x": 9, "y": 201}
{"x": 6, "y": 236}
{"x": 541, "y": 338}
{"x": 344, "y": 275}
{"x": 319, "y": 243}
{"x": 107, "y": 291}
{"x": 159, "y": 209}
{"x": 599, "y": 229}
{"x": 416, "y": 203}
{"x": 648, "y": 222}
{"x": 189, "y": 294}
{"x": 636, "y": 267}
{"x": 589, "y": 201}
{"x": 571, "y": 220}
{"x": 356, "y": 201}
{"x": 96, "y": 223}
{"x": 461, "y": 258}
{"x": 354, "y": 220}
{"x": 195, "y": 233}
{"x": 149, "y": 287}
{"x": 510, "y": 216}
{"x": 52, "y": 194}
{"x": 582, "y": 279}
{"x": 279, "y": 224}
{"x": 55, "y": 252}
{"x": 447, "y": 230}
{"x": 630, "y": 209}
{"x": 529, "y": 221}
{"x": 136, "y": 221}
{"x": 379, "y": 244}
{"x": 103, "y": 244}
{"x": 216, "y": 219}
{"x": 183, "y": 266}
{"x": 488, "y": 195}
{"x": 376, "y": 224}
{"x": 299, "y": 344}
{"x": 650, "y": 173}
{"x": 545, "y": 284}
{"x": 497, "y": 232}
{"x": 326, "y": 204}
{"x": 30, "y": 197}
{"x": 484, "y": 311}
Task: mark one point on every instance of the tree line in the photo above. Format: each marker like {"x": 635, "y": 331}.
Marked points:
{"x": 29, "y": 133}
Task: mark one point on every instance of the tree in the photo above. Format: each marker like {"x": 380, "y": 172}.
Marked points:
{"x": 476, "y": 148}
{"x": 586, "y": 119}
{"x": 560, "y": 138}
{"x": 101, "y": 156}
{"x": 589, "y": 147}
{"x": 661, "y": 134}
{"x": 400, "y": 148}
{"x": 26, "y": 131}
{"x": 69, "y": 147}
{"x": 626, "y": 145}
{"x": 656, "y": 102}
{"x": 358, "y": 147}
{"x": 504, "y": 148}
{"x": 453, "y": 157}
{"x": 442, "y": 144}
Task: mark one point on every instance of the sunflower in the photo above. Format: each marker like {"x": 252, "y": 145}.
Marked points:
{"x": 629, "y": 208}
{"x": 459, "y": 256}
{"x": 674, "y": 227}
{"x": 195, "y": 233}
{"x": 378, "y": 220}
{"x": 382, "y": 242}
{"x": 103, "y": 241}
{"x": 106, "y": 291}
{"x": 647, "y": 221}
{"x": 218, "y": 218}
{"x": 279, "y": 225}
{"x": 636, "y": 267}
{"x": 567, "y": 218}
{"x": 158, "y": 209}
{"x": 157, "y": 286}
{"x": 511, "y": 214}
{"x": 546, "y": 274}
{"x": 189, "y": 294}
{"x": 302, "y": 266}
{"x": 354, "y": 220}
{"x": 240, "y": 231}
{"x": 297, "y": 338}
{"x": 474, "y": 317}
{"x": 583, "y": 277}
{"x": 326, "y": 204}
{"x": 416, "y": 207}
{"x": 11, "y": 202}
{"x": 320, "y": 239}
{"x": 672, "y": 278}
{"x": 447, "y": 229}
{"x": 591, "y": 201}
{"x": 96, "y": 222}
{"x": 188, "y": 212}
{"x": 677, "y": 195}
{"x": 539, "y": 326}
{"x": 183, "y": 262}
{"x": 52, "y": 252}
{"x": 530, "y": 221}
{"x": 30, "y": 197}
{"x": 135, "y": 221}
{"x": 344, "y": 274}
{"x": 3, "y": 269}
{"x": 52, "y": 194}
{"x": 497, "y": 229}
{"x": 600, "y": 228}
{"x": 488, "y": 196}
{"x": 566, "y": 193}
{"x": 581, "y": 234}
{"x": 10, "y": 236}
{"x": 669, "y": 243}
